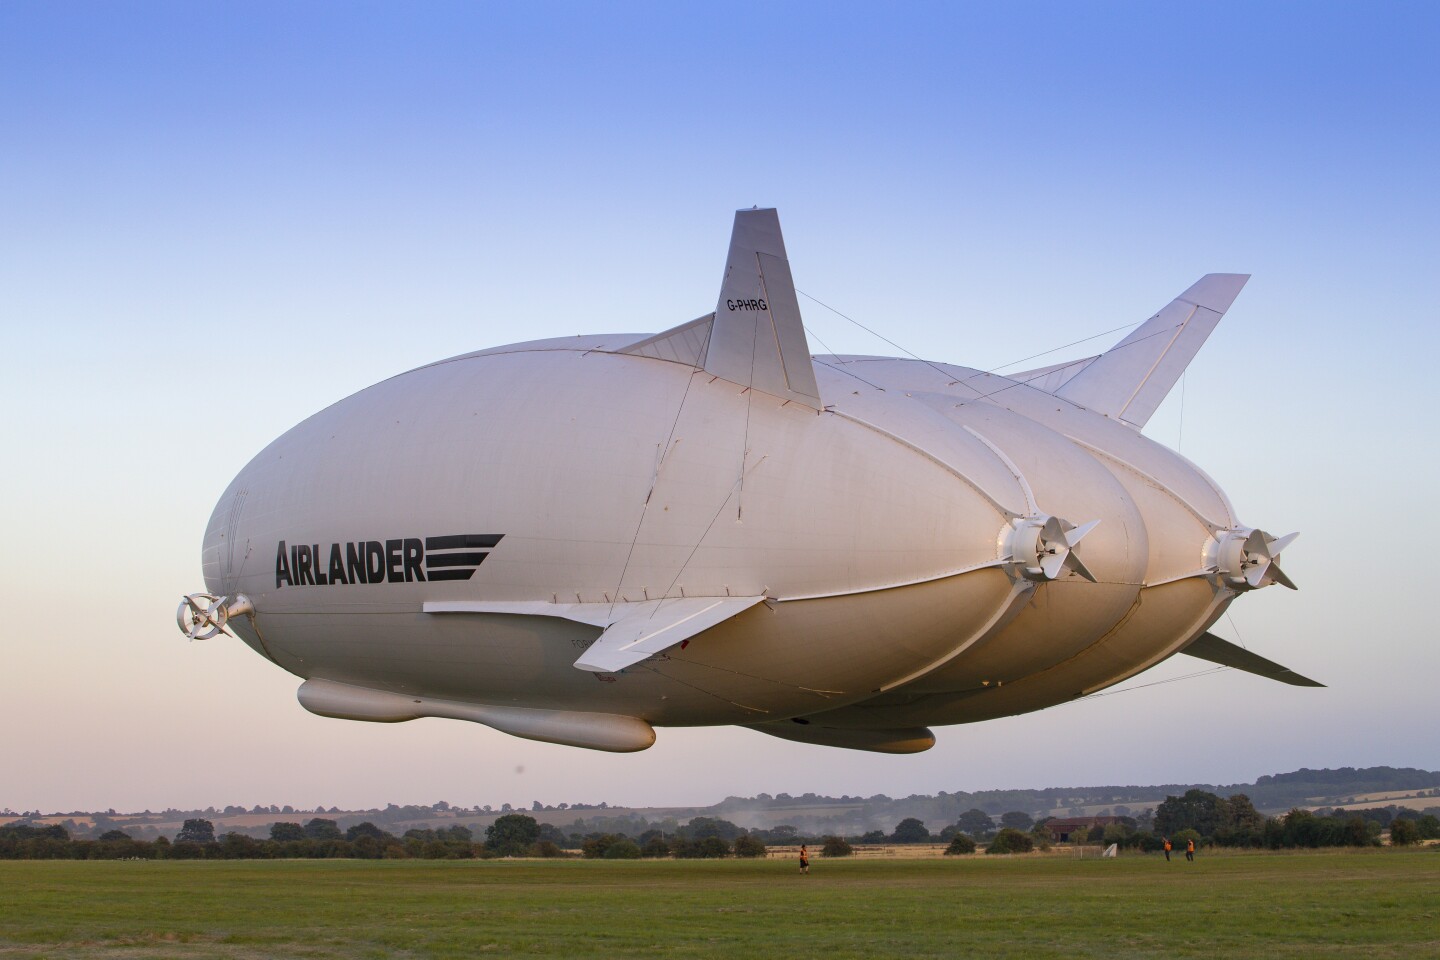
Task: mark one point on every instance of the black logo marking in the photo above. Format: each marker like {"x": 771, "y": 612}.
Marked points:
{"x": 407, "y": 560}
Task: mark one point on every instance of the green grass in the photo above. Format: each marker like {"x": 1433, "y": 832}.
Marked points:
{"x": 1353, "y": 904}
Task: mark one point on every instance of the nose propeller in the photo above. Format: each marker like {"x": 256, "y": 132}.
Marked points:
{"x": 204, "y": 615}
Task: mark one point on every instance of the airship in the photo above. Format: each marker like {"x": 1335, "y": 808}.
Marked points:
{"x": 578, "y": 540}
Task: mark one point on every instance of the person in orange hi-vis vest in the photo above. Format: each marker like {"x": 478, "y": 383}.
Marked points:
{"x": 1190, "y": 850}
{"x": 1167, "y": 849}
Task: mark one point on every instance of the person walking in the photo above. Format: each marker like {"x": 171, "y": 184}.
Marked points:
{"x": 804, "y": 859}
{"x": 1167, "y": 849}
{"x": 1190, "y": 850}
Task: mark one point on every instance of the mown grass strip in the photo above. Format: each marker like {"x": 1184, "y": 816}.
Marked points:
{"x": 1376, "y": 904}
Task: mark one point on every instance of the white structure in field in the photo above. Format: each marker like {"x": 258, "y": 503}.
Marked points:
{"x": 577, "y": 540}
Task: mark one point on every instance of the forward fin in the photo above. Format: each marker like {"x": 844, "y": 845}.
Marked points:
{"x": 631, "y": 632}
{"x": 646, "y": 629}
{"x": 755, "y": 337}
{"x": 1129, "y": 381}
{"x": 1209, "y": 647}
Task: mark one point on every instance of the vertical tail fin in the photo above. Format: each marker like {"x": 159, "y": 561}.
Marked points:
{"x": 755, "y": 336}
{"x": 758, "y": 338}
{"x": 1129, "y": 381}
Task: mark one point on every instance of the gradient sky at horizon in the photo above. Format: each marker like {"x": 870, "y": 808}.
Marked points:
{"x": 216, "y": 219}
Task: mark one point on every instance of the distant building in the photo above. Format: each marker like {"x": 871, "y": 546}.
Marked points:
{"x": 1062, "y": 827}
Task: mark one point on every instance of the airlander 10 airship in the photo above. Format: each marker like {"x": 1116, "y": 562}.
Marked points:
{"x": 578, "y": 540}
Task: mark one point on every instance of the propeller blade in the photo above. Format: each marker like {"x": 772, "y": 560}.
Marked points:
{"x": 1078, "y": 566}
{"x": 1277, "y": 575}
{"x": 1079, "y": 533}
{"x": 1280, "y": 543}
{"x": 1054, "y": 563}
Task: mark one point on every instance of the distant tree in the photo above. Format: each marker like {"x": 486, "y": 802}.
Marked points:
{"x": 910, "y": 830}
{"x": 196, "y": 831}
{"x": 239, "y": 846}
{"x": 712, "y": 847}
{"x": 1241, "y": 825}
{"x": 553, "y": 834}
{"x": 960, "y": 843}
{"x": 1010, "y": 840}
{"x": 1243, "y": 814}
{"x": 1429, "y": 826}
{"x": 1016, "y": 820}
{"x": 186, "y": 850}
{"x": 747, "y": 845}
{"x": 1197, "y": 810}
{"x": 655, "y": 846}
{"x": 321, "y": 829}
{"x": 701, "y": 827}
{"x": 548, "y": 849}
{"x": 1115, "y": 833}
{"x": 976, "y": 822}
{"x": 367, "y": 847}
{"x": 1357, "y": 832}
{"x": 512, "y": 834}
{"x": 835, "y": 847}
{"x": 682, "y": 848}
{"x": 366, "y": 829}
{"x": 597, "y": 845}
{"x": 282, "y": 831}
{"x": 623, "y": 849}
{"x": 873, "y": 836}
{"x": 114, "y": 835}
{"x": 1404, "y": 832}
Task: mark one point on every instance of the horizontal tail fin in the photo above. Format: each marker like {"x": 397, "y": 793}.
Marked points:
{"x": 1209, "y": 647}
{"x": 1129, "y": 381}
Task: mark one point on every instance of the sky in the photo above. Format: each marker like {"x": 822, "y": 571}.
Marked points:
{"x": 218, "y": 218}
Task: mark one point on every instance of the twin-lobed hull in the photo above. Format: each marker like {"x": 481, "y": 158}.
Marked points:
{"x": 845, "y": 552}
{"x": 880, "y": 548}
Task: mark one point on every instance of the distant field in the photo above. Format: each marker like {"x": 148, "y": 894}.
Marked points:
{"x": 1377, "y": 904}
{"x": 1418, "y": 799}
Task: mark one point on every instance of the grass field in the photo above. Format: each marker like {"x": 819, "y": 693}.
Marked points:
{"x": 1377, "y": 904}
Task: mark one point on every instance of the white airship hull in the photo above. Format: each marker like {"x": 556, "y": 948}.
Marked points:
{"x": 575, "y": 540}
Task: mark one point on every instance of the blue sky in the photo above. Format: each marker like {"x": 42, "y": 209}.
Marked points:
{"x": 217, "y": 218}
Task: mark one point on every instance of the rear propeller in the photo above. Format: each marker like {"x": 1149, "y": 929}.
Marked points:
{"x": 1247, "y": 559}
{"x": 1043, "y": 547}
{"x": 204, "y": 615}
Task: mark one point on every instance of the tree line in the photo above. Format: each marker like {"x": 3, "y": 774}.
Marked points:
{"x": 511, "y": 835}
{"x": 1205, "y": 817}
